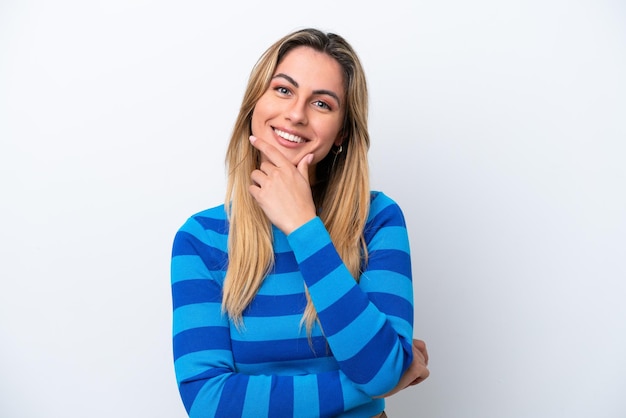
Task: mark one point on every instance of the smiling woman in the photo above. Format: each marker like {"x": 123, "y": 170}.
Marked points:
{"x": 300, "y": 115}
{"x": 294, "y": 298}
{"x": 302, "y": 110}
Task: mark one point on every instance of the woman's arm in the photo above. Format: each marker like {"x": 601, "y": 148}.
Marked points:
{"x": 206, "y": 374}
{"x": 368, "y": 324}
{"x": 417, "y": 371}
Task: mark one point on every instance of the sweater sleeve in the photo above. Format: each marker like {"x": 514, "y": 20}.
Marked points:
{"x": 208, "y": 381}
{"x": 369, "y": 324}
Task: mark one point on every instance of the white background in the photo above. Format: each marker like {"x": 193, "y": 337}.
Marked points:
{"x": 499, "y": 127}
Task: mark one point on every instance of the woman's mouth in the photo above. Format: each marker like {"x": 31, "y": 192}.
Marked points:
{"x": 290, "y": 137}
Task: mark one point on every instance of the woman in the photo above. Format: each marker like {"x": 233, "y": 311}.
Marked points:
{"x": 294, "y": 298}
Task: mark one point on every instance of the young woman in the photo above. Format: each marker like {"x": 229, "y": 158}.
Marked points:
{"x": 295, "y": 298}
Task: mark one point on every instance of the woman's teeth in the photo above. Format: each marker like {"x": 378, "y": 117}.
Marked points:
{"x": 289, "y": 137}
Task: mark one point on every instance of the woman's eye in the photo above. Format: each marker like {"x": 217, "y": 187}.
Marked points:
{"x": 322, "y": 104}
{"x": 282, "y": 90}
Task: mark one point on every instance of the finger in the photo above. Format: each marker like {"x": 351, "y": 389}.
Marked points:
{"x": 266, "y": 167}
{"x": 303, "y": 166}
{"x": 421, "y": 347}
{"x": 420, "y": 379}
{"x": 423, "y": 375}
{"x": 418, "y": 357}
{"x": 257, "y": 177}
{"x": 272, "y": 153}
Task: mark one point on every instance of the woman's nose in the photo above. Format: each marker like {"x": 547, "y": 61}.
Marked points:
{"x": 297, "y": 112}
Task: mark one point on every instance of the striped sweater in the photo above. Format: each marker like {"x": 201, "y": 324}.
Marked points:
{"x": 269, "y": 368}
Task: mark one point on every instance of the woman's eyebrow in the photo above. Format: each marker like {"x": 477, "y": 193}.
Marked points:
{"x": 295, "y": 84}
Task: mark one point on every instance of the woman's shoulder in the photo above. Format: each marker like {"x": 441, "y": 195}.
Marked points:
{"x": 384, "y": 209}
{"x": 379, "y": 200}
{"x": 212, "y": 219}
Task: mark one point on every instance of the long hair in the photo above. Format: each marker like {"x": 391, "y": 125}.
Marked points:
{"x": 341, "y": 194}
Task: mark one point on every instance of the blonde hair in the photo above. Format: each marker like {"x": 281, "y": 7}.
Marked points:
{"x": 342, "y": 192}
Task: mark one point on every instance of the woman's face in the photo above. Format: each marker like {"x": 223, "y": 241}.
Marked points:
{"x": 303, "y": 109}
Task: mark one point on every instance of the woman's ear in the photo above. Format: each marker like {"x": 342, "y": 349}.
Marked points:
{"x": 341, "y": 136}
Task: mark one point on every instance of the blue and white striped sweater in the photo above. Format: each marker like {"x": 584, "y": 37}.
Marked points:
{"x": 270, "y": 368}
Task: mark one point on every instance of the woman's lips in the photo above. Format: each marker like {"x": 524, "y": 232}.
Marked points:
{"x": 290, "y": 137}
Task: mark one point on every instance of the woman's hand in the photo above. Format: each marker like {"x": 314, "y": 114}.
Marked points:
{"x": 417, "y": 371}
{"x": 281, "y": 189}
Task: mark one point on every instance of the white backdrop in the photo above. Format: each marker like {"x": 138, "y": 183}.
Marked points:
{"x": 499, "y": 127}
